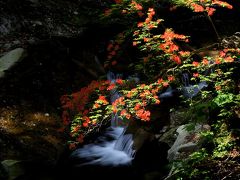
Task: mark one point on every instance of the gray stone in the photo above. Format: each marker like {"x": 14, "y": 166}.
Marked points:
{"x": 14, "y": 168}
{"x": 10, "y": 59}
{"x": 3, "y": 172}
{"x": 6, "y": 26}
{"x": 179, "y": 117}
{"x": 187, "y": 141}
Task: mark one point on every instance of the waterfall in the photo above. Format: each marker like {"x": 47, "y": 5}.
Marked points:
{"x": 114, "y": 147}
{"x": 124, "y": 143}
{"x": 185, "y": 79}
{"x": 189, "y": 90}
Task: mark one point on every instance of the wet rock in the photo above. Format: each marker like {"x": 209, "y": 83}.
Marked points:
{"x": 179, "y": 117}
{"x": 10, "y": 59}
{"x": 14, "y": 168}
{"x": 3, "y": 172}
{"x": 232, "y": 41}
{"x": 140, "y": 135}
{"x": 169, "y": 136}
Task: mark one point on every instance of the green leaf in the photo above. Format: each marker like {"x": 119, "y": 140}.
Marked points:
{"x": 224, "y": 99}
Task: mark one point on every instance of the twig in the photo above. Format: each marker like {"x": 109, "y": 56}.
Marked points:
{"x": 202, "y": 49}
{"x": 101, "y": 68}
{"x": 227, "y": 175}
{"x": 214, "y": 27}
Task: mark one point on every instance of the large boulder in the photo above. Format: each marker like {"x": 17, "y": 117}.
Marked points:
{"x": 29, "y": 21}
{"x": 14, "y": 168}
{"x": 188, "y": 141}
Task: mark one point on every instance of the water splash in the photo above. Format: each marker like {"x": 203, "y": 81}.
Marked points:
{"x": 185, "y": 79}
{"x": 167, "y": 94}
{"x": 104, "y": 153}
{"x": 189, "y": 90}
{"x": 124, "y": 143}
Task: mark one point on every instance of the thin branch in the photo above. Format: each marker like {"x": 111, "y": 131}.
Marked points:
{"x": 214, "y": 27}
{"x": 82, "y": 65}
{"x": 202, "y": 49}
{"x": 227, "y": 175}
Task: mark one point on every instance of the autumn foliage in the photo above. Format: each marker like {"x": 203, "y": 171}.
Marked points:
{"x": 161, "y": 58}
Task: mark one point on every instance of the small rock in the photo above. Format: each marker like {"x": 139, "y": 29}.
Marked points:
{"x": 14, "y": 168}
{"x": 168, "y": 137}
{"x": 10, "y": 59}
{"x": 38, "y": 23}
{"x": 46, "y": 114}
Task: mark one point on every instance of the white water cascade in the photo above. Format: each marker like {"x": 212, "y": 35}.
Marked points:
{"x": 189, "y": 90}
{"x": 113, "y": 148}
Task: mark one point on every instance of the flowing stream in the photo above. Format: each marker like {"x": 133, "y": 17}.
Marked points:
{"x": 113, "y": 148}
